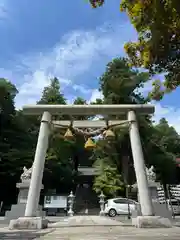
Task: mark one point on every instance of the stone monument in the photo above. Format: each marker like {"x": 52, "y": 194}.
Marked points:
{"x": 24, "y": 185}
{"x": 18, "y": 210}
{"x": 152, "y": 184}
{"x": 159, "y": 209}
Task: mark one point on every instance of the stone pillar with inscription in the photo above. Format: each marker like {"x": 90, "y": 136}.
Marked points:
{"x": 18, "y": 210}
{"x": 152, "y": 184}
{"x": 159, "y": 209}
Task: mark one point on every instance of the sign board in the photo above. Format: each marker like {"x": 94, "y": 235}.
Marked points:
{"x": 55, "y": 202}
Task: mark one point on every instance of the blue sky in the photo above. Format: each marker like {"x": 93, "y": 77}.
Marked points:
{"x": 67, "y": 39}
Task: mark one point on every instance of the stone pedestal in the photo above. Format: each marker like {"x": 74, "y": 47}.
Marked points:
{"x": 153, "y": 190}
{"x": 23, "y": 191}
{"x": 18, "y": 210}
{"x": 162, "y": 216}
{"x": 151, "y": 222}
{"x": 31, "y": 223}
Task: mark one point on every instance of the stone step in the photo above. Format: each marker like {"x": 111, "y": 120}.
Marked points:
{"x": 76, "y": 221}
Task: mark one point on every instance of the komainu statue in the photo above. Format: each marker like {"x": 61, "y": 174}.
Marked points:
{"x": 26, "y": 175}
{"x": 151, "y": 176}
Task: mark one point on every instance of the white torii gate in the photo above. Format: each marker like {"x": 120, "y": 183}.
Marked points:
{"x": 47, "y": 111}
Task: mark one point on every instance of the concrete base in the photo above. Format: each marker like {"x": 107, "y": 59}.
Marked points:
{"x": 101, "y": 213}
{"x": 28, "y": 223}
{"x": 151, "y": 222}
{"x": 18, "y": 210}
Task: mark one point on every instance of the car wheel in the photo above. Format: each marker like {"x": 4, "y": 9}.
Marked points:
{"x": 112, "y": 212}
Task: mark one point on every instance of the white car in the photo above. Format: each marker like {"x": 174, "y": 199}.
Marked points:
{"x": 119, "y": 206}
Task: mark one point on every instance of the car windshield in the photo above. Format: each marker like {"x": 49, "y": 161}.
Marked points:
{"x": 123, "y": 201}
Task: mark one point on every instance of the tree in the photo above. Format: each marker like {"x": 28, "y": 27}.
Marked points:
{"x": 119, "y": 85}
{"x": 16, "y": 142}
{"x": 107, "y": 180}
{"x": 166, "y": 143}
{"x": 98, "y": 101}
{"x": 51, "y": 94}
{"x": 7, "y": 114}
{"x": 62, "y": 156}
{"x": 7, "y": 94}
{"x": 7, "y": 117}
{"x": 59, "y": 168}
{"x": 157, "y": 48}
{"x": 167, "y": 137}
{"x": 80, "y": 101}
{"x": 108, "y": 168}
{"x": 96, "y": 3}
{"x": 161, "y": 147}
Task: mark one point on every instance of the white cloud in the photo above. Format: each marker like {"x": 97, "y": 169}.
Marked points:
{"x": 171, "y": 114}
{"x": 83, "y": 89}
{"x": 3, "y": 10}
{"x": 76, "y": 54}
{"x": 95, "y": 95}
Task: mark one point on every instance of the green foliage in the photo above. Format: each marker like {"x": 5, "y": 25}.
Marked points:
{"x": 157, "y": 48}
{"x": 59, "y": 167}
{"x": 18, "y": 140}
{"x": 120, "y": 83}
{"x": 79, "y": 101}
{"x": 17, "y": 144}
{"x": 7, "y": 87}
{"x": 96, "y": 3}
{"x": 161, "y": 147}
{"x": 166, "y": 135}
{"x": 51, "y": 94}
{"x": 108, "y": 179}
{"x": 98, "y": 101}
{"x": 7, "y": 94}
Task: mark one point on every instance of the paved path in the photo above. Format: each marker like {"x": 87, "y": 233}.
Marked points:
{"x": 112, "y": 233}
{"x": 6, "y": 234}
{"x": 93, "y": 233}
{"x": 91, "y": 228}
{"x": 79, "y": 221}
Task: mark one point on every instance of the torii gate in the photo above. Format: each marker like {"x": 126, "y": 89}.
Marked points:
{"x": 47, "y": 111}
